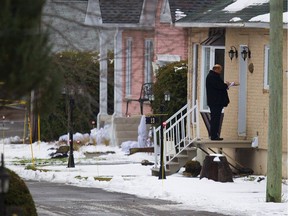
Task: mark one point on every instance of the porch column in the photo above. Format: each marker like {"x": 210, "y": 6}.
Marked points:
{"x": 118, "y": 73}
{"x": 103, "y": 91}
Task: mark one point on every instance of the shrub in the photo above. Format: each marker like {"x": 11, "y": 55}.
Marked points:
{"x": 173, "y": 78}
{"x": 18, "y": 199}
{"x": 192, "y": 168}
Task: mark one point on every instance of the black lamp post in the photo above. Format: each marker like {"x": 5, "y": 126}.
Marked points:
{"x": 4, "y": 186}
{"x": 162, "y": 173}
{"x": 3, "y": 125}
{"x": 71, "y": 163}
{"x": 70, "y": 92}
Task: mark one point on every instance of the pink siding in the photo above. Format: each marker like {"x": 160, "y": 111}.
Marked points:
{"x": 167, "y": 40}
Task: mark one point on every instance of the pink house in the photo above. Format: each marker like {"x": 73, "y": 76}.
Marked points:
{"x": 145, "y": 38}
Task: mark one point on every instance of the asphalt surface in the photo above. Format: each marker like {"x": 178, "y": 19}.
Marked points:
{"x": 53, "y": 199}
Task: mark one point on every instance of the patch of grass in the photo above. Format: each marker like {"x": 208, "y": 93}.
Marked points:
{"x": 250, "y": 178}
{"x": 34, "y": 168}
{"x": 80, "y": 177}
{"x": 99, "y": 178}
{"x": 41, "y": 162}
{"x": 96, "y": 178}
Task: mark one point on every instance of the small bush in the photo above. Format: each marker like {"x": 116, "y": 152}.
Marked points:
{"x": 192, "y": 168}
{"x": 18, "y": 200}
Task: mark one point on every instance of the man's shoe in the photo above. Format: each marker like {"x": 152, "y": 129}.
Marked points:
{"x": 217, "y": 138}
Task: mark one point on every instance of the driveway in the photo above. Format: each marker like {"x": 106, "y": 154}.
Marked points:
{"x": 53, "y": 199}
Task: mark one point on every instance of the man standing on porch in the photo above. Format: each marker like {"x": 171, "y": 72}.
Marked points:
{"x": 217, "y": 99}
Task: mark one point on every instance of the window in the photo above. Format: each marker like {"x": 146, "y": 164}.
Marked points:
{"x": 211, "y": 55}
{"x": 266, "y": 67}
{"x": 148, "y": 61}
{"x": 128, "y": 66}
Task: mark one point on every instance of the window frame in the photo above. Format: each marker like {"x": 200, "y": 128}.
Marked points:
{"x": 205, "y": 70}
{"x": 128, "y": 77}
{"x": 148, "y": 59}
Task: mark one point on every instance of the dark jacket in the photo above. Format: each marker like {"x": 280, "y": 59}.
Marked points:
{"x": 216, "y": 90}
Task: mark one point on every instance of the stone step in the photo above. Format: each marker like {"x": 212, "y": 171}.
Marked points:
{"x": 125, "y": 120}
{"x": 127, "y": 134}
{"x": 126, "y": 129}
{"x": 178, "y": 162}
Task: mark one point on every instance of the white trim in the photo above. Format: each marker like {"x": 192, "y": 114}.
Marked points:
{"x": 266, "y": 67}
{"x": 242, "y": 95}
{"x": 118, "y": 74}
{"x": 168, "y": 58}
{"x": 165, "y": 16}
{"x": 231, "y": 25}
{"x": 194, "y": 72}
{"x": 128, "y": 77}
{"x": 93, "y": 14}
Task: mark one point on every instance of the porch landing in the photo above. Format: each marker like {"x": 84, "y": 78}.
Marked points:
{"x": 226, "y": 143}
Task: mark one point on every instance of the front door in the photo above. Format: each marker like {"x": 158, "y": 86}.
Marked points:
{"x": 211, "y": 55}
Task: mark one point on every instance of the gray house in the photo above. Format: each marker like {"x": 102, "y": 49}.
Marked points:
{"x": 64, "y": 20}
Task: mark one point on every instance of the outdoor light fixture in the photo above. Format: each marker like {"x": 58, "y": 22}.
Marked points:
{"x": 167, "y": 96}
{"x": 233, "y": 52}
{"x": 4, "y": 186}
{"x": 151, "y": 97}
{"x": 246, "y": 53}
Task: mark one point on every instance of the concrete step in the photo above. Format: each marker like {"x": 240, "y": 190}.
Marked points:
{"x": 124, "y": 134}
{"x": 130, "y": 120}
{"x": 126, "y": 129}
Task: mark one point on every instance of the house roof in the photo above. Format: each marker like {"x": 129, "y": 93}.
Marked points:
{"x": 139, "y": 13}
{"x": 188, "y": 7}
{"x": 224, "y": 13}
{"x": 121, "y": 13}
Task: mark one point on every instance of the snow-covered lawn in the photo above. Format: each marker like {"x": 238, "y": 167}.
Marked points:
{"x": 245, "y": 196}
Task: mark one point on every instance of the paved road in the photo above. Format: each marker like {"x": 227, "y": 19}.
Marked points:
{"x": 54, "y": 199}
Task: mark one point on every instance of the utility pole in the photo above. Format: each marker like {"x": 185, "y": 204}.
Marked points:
{"x": 274, "y": 162}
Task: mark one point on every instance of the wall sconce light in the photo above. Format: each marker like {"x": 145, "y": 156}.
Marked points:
{"x": 246, "y": 53}
{"x": 233, "y": 51}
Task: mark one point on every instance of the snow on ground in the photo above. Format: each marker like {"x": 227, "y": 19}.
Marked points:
{"x": 245, "y": 196}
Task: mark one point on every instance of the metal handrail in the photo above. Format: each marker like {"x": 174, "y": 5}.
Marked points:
{"x": 177, "y": 133}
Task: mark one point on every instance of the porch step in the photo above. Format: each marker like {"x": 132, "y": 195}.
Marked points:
{"x": 226, "y": 143}
{"x": 126, "y": 129}
{"x": 178, "y": 162}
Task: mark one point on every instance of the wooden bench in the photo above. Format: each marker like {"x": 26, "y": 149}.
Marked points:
{"x": 146, "y": 90}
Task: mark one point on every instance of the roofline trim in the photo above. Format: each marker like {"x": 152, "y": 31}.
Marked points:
{"x": 232, "y": 25}
{"x": 120, "y": 25}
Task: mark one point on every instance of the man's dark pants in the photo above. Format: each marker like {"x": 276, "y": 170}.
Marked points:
{"x": 216, "y": 111}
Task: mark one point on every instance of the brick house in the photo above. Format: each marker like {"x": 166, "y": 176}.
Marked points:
{"x": 212, "y": 34}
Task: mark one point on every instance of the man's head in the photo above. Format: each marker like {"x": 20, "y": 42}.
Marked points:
{"x": 217, "y": 68}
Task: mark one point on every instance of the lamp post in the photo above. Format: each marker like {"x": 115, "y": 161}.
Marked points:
{"x": 3, "y": 125}
{"x": 162, "y": 173}
{"x": 70, "y": 92}
{"x": 71, "y": 163}
{"x": 4, "y": 186}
